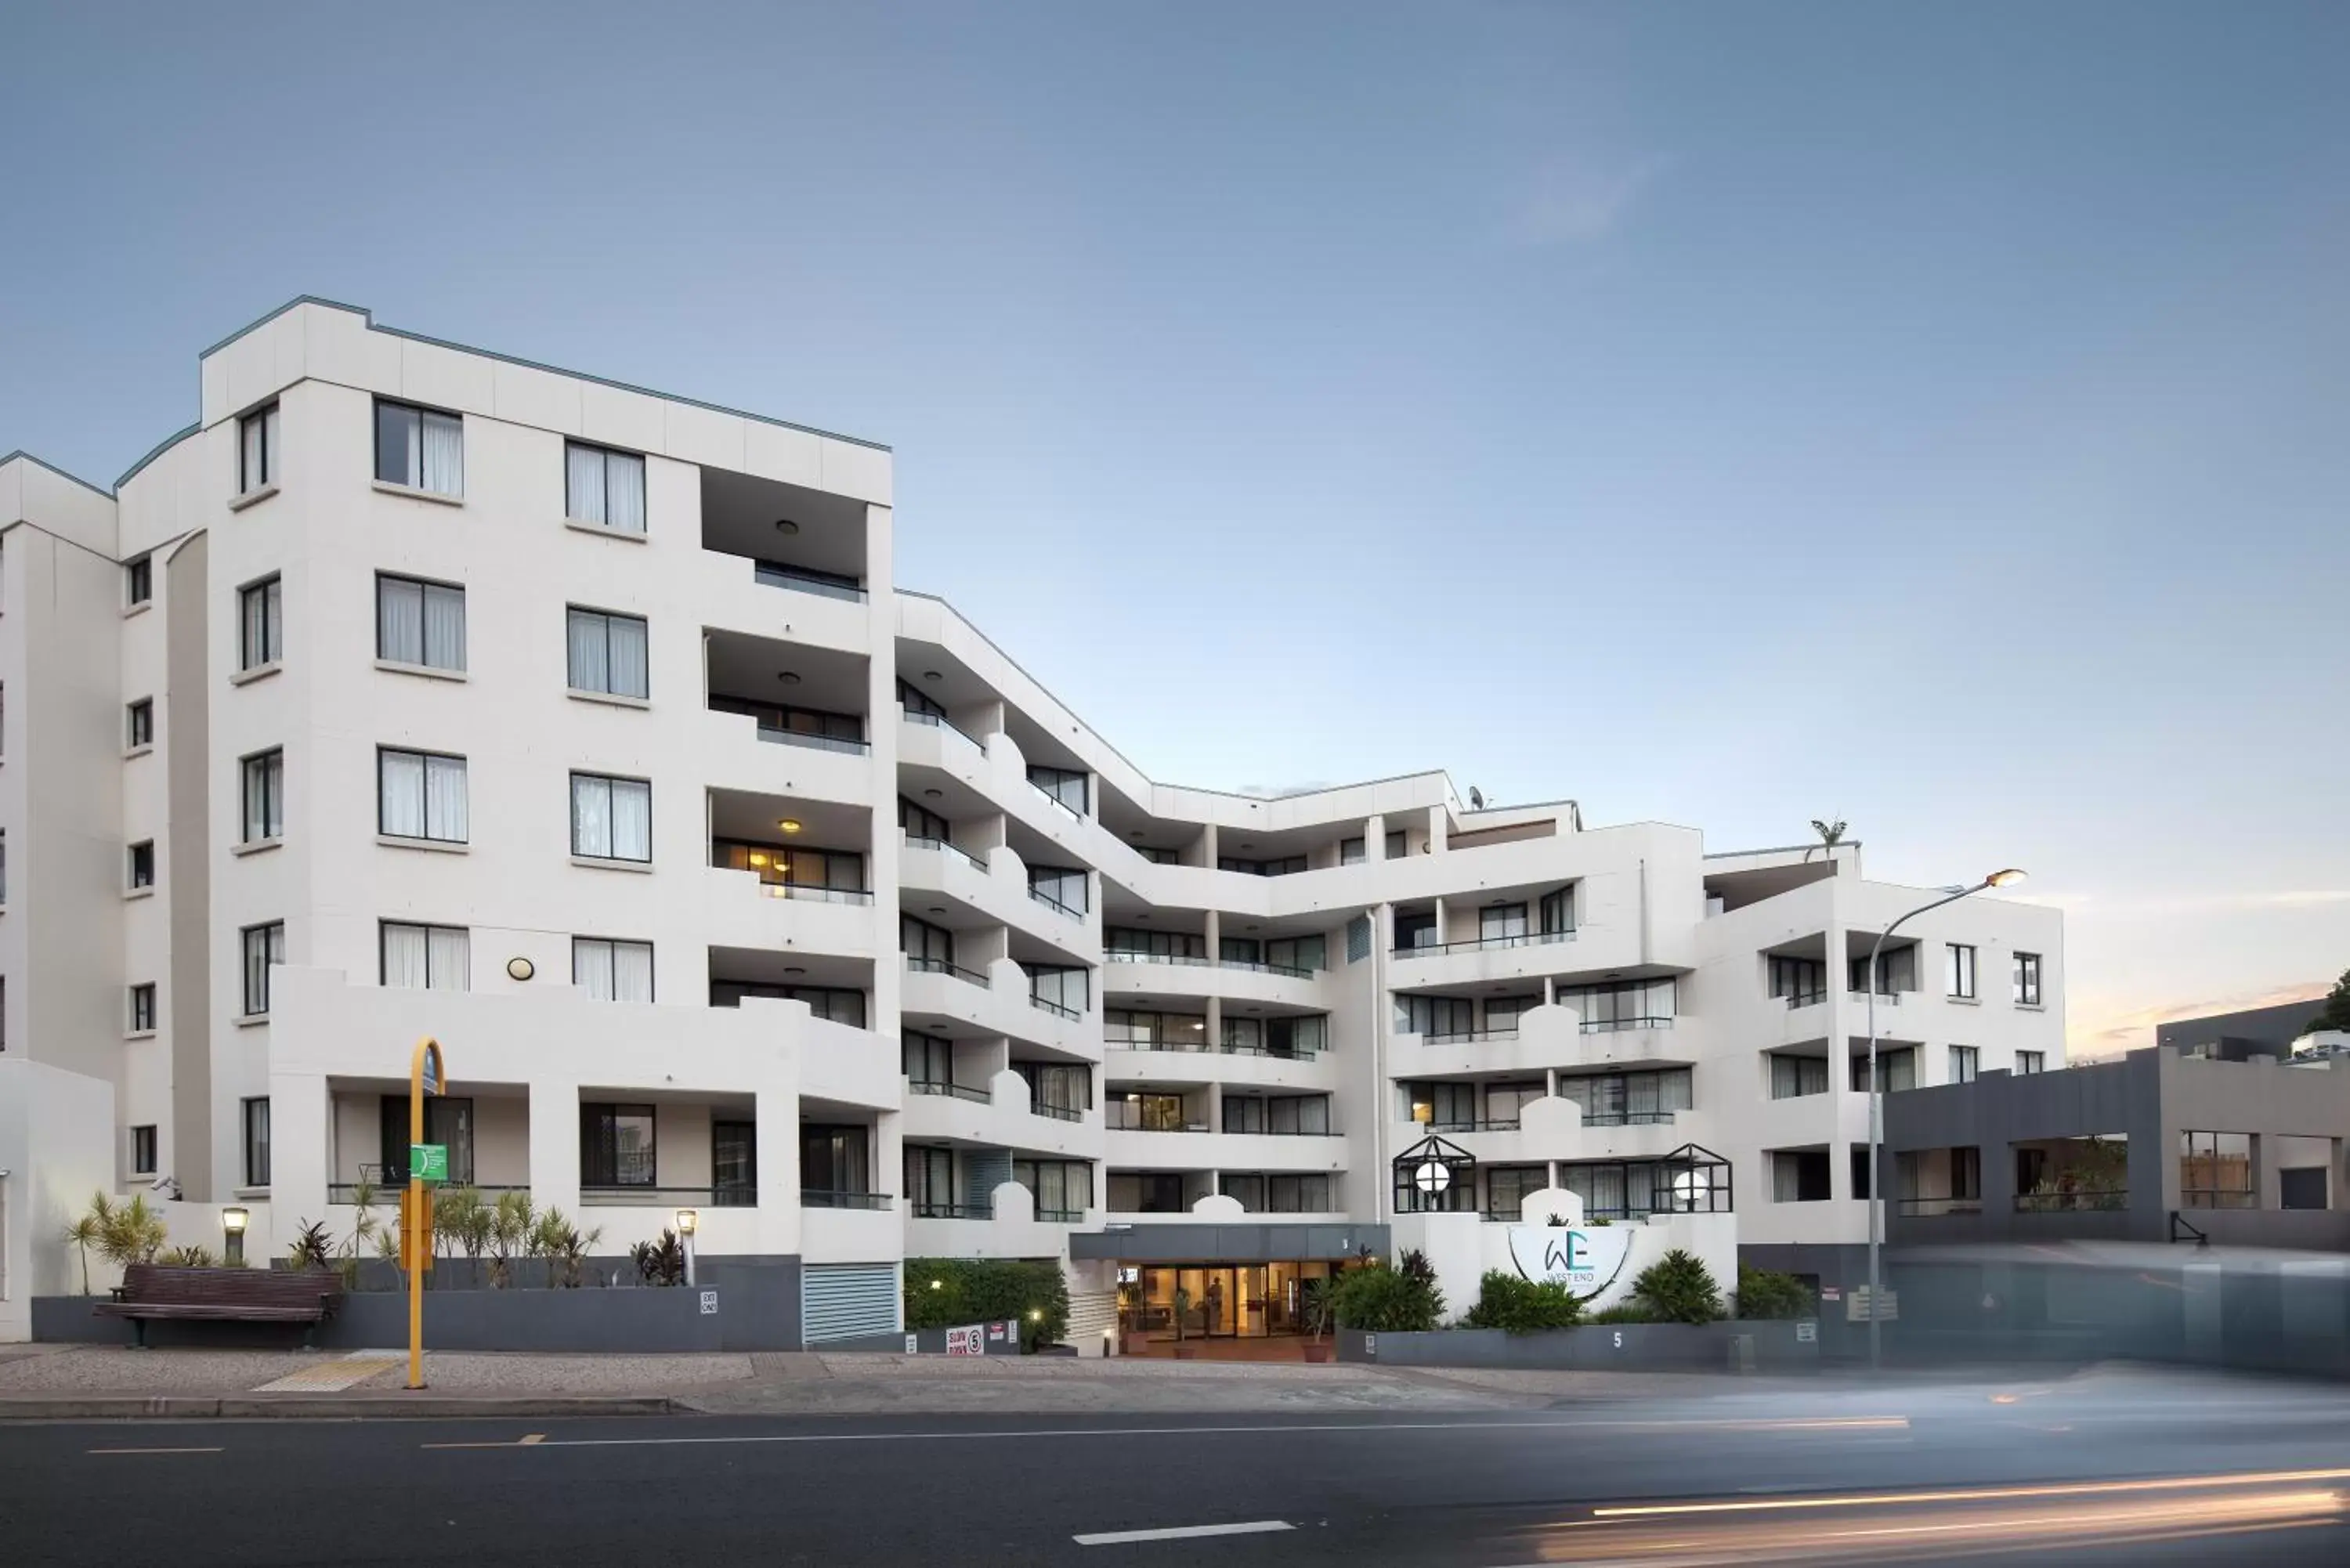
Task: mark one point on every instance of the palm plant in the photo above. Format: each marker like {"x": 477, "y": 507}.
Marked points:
{"x": 559, "y": 1242}
{"x": 89, "y": 1230}
{"x": 191, "y": 1257}
{"x": 1831, "y": 835}
{"x": 130, "y": 1232}
{"x": 514, "y": 1225}
{"x": 659, "y": 1262}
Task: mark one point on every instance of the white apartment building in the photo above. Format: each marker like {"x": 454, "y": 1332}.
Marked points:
{"x": 417, "y": 689}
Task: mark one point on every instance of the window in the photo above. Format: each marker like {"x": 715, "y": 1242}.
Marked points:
{"x": 793, "y": 867}
{"x": 2031, "y": 1062}
{"x": 1507, "y": 1187}
{"x": 1557, "y": 912}
{"x": 930, "y": 1179}
{"x": 1958, "y": 971}
{"x": 1289, "y": 866}
{"x": 2027, "y": 979}
{"x": 448, "y": 1121}
{"x": 931, "y": 948}
{"x": 612, "y": 970}
{"x": 1061, "y": 884}
{"x": 1415, "y": 930}
{"x": 914, "y": 702}
{"x": 1793, "y": 1078}
{"x": 1145, "y": 1113}
{"x": 835, "y": 1158}
{"x": 143, "y": 1150}
{"x": 1502, "y": 923}
{"x": 1350, "y": 852}
{"x": 1861, "y": 1169}
{"x": 143, "y": 1008}
{"x": 1435, "y": 1016}
{"x": 616, "y": 1146}
{"x": 1963, "y": 1061}
{"x": 1125, "y": 942}
{"x": 1296, "y": 1114}
{"x": 139, "y": 724}
{"x": 604, "y": 486}
{"x": 1063, "y": 1189}
{"x": 609, "y": 654}
{"x": 1154, "y": 1031}
{"x": 427, "y": 958}
{"x": 420, "y": 794}
{"x": 419, "y": 623}
{"x": 1966, "y": 1172}
{"x": 261, "y": 623}
{"x": 256, "y": 1142}
{"x": 921, "y": 822}
{"x": 143, "y": 863}
{"x": 1065, "y": 1088}
{"x": 611, "y": 819}
{"x": 263, "y": 946}
{"x": 1897, "y": 1070}
{"x": 927, "y": 1058}
{"x": 256, "y": 451}
{"x": 139, "y": 581}
{"x": 264, "y": 796}
{"x": 1297, "y": 952}
{"x": 1064, "y": 785}
{"x": 1063, "y": 987}
{"x": 1304, "y": 1035}
{"x": 1802, "y": 982}
{"x": 834, "y": 1004}
{"x": 1896, "y": 970}
{"x": 1637, "y": 1005}
{"x": 1799, "y": 1176}
{"x": 420, "y": 448}
{"x": 2215, "y": 1171}
{"x": 1628, "y": 1099}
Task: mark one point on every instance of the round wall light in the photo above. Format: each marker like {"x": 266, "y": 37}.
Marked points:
{"x": 520, "y": 968}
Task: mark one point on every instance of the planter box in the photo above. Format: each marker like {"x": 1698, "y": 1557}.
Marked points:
{"x": 1727, "y": 1347}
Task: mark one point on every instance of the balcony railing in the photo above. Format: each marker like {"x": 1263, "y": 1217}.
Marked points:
{"x": 1181, "y": 1048}
{"x": 783, "y": 737}
{"x": 1061, "y": 1216}
{"x": 2217, "y": 1198}
{"x": 941, "y": 966}
{"x": 1056, "y": 1009}
{"x": 809, "y": 892}
{"x": 1116, "y": 1119}
{"x": 950, "y": 1091}
{"x": 1055, "y": 905}
{"x": 1884, "y": 998}
{"x": 2084, "y": 1201}
{"x": 1627, "y": 1118}
{"x": 822, "y": 1198}
{"x": 938, "y": 722}
{"x": 954, "y": 1210}
{"x": 731, "y": 1196}
{"x": 1058, "y": 803}
{"x": 1469, "y": 1037}
{"x": 1058, "y": 1113}
{"x": 775, "y": 576}
{"x": 1796, "y": 999}
{"x": 1483, "y": 944}
{"x": 1935, "y": 1208}
{"x": 1499, "y": 1124}
{"x": 1125, "y": 955}
{"x": 1254, "y": 968}
{"x": 943, "y": 848}
{"x": 1617, "y": 1025}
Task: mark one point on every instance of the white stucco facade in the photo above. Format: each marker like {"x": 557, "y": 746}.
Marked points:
{"x": 996, "y": 1004}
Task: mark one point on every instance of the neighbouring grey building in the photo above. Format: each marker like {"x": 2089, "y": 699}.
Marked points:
{"x": 2235, "y": 1036}
{"x": 2158, "y": 1146}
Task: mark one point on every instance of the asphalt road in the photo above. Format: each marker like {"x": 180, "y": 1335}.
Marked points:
{"x": 2139, "y": 1470}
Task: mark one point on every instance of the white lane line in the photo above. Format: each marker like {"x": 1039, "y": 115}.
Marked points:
{"x": 155, "y": 1450}
{"x": 1850, "y": 1423}
{"x": 1182, "y": 1532}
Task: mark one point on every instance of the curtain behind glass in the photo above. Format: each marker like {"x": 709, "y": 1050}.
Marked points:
{"x": 449, "y": 957}
{"x": 583, "y": 474}
{"x": 405, "y": 956}
{"x": 402, "y": 808}
{"x": 442, "y": 457}
{"x": 632, "y": 820}
{"x": 444, "y": 628}
{"x": 591, "y": 968}
{"x": 255, "y": 472}
{"x": 591, "y": 817}
{"x": 625, "y": 650}
{"x": 588, "y": 664}
{"x": 632, "y": 972}
{"x": 444, "y": 799}
{"x": 398, "y": 621}
{"x": 624, "y": 491}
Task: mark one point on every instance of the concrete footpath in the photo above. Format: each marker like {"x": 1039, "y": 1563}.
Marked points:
{"x": 81, "y": 1382}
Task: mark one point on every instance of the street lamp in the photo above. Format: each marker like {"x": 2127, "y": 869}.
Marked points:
{"x": 688, "y": 1221}
{"x": 1876, "y": 1114}
{"x": 232, "y": 1223}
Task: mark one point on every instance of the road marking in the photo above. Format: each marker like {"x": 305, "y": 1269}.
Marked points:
{"x": 155, "y": 1450}
{"x": 530, "y": 1438}
{"x": 1181, "y": 1532}
{"x": 1841, "y": 1423}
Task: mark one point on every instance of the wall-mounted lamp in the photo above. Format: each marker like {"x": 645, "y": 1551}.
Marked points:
{"x": 688, "y": 1221}
{"x": 520, "y": 969}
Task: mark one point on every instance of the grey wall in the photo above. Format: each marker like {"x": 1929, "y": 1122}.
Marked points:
{"x": 2273, "y": 1028}
{"x": 1709, "y": 1347}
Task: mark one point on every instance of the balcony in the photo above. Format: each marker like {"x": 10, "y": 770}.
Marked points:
{"x": 1483, "y": 944}
{"x": 743, "y": 1194}
{"x": 799, "y": 580}
{"x": 1935, "y": 1208}
{"x": 822, "y": 1198}
{"x": 938, "y": 721}
{"x": 2078, "y": 1201}
{"x": 939, "y": 966}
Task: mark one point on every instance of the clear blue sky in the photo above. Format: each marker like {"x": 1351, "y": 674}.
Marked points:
{"x": 1734, "y": 415}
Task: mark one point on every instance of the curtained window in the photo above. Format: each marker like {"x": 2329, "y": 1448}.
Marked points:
{"x": 261, "y": 635}
{"x": 612, "y": 970}
{"x": 419, "y": 448}
{"x": 263, "y": 946}
{"x": 257, "y": 450}
{"x": 611, "y": 819}
{"x": 603, "y": 487}
{"x": 427, "y": 958}
{"x": 607, "y": 654}
{"x": 419, "y": 623}
{"x": 420, "y": 795}
{"x": 264, "y": 796}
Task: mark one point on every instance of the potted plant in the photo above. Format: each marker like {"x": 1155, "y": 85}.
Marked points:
{"x": 1183, "y": 1352}
{"x": 1318, "y": 1304}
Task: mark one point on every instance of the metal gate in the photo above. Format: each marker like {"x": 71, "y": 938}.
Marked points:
{"x": 848, "y": 1300}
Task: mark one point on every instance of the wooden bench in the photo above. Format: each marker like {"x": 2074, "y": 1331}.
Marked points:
{"x": 153, "y": 1291}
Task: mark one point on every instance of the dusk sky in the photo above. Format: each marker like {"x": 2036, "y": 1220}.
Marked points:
{"x": 1933, "y": 418}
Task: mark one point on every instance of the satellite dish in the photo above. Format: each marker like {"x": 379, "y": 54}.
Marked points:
{"x": 1476, "y": 799}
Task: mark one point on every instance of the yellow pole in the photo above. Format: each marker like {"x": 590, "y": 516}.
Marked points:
{"x": 414, "y": 1239}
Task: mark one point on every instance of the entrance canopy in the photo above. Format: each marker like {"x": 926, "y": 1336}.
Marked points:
{"x": 1197, "y": 1243}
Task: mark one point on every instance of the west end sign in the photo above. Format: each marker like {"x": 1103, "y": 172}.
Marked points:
{"x": 1585, "y": 1261}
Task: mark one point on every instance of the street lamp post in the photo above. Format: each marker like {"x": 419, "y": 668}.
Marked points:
{"x": 688, "y": 1221}
{"x": 1876, "y": 1114}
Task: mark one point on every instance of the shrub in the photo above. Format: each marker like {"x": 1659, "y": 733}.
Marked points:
{"x": 189, "y": 1258}
{"x": 1678, "y": 1288}
{"x": 1763, "y": 1294}
{"x": 1624, "y": 1312}
{"x": 661, "y": 1263}
{"x": 1506, "y": 1301}
{"x": 943, "y": 1292}
{"x": 1380, "y": 1300}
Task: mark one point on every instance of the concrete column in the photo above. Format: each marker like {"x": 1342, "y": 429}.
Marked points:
{"x": 1436, "y": 830}
{"x": 2268, "y": 1187}
{"x": 554, "y": 1146}
{"x": 1375, "y": 838}
{"x": 2337, "y": 1174}
{"x": 1208, "y": 847}
{"x": 776, "y": 1115}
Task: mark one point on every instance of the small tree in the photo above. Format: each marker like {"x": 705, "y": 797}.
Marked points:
{"x": 1314, "y": 1298}
{"x": 514, "y": 1225}
{"x": 1678, "y": 1288}
{"x": 130, "y": 1232}
{"x": 661, "y": 1263}
{"x": 1507, "y": 1301}
{"x": 1763, "y": 1294}
{"x": 2335, "y": 1012}
{"x": 89, "y": 1230}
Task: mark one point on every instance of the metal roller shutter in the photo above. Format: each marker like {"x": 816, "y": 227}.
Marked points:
{"x": 846, "y": 1301}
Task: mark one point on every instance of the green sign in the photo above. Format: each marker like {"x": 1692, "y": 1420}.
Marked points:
{"x": 428, "y": 1161}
